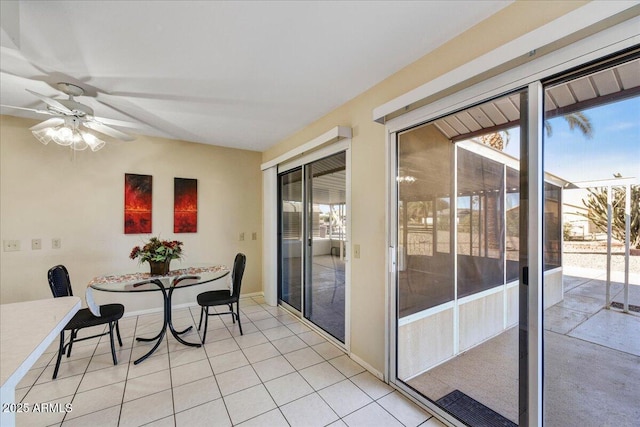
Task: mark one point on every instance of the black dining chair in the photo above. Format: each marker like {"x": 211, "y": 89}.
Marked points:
{"x": 222, "y": 297}
{"x": 109, "y": 314}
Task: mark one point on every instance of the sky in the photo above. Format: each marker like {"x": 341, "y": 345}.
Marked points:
{"x": 614, "y": 147}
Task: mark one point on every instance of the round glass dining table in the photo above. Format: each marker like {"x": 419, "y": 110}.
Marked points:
{"x": 167, "y": 284}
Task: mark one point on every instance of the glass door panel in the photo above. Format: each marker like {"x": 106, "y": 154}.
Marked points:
{"x": 591, "y": 225}
{"x": 290, "y": 233}
{"x": 458, "y": 258}
{"x": 326, "y": 236}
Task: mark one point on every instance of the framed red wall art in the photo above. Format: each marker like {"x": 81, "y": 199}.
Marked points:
{"x": 137, "y": 203}
{"x": 185, "y": 205}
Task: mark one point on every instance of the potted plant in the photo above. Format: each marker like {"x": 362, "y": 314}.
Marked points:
{"x": 158, "y": 253}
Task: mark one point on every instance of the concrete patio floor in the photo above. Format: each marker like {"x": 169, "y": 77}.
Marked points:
{"x": 591, "y": 366}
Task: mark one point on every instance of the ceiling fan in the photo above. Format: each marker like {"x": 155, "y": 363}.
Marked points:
{"x": 73, "y": 124}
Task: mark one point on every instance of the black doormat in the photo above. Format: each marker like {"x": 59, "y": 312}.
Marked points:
{"x": 472, "y": 412}
{"x": 620, "y": 306}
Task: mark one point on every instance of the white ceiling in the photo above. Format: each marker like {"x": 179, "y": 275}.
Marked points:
{"x": 239, "y": 74}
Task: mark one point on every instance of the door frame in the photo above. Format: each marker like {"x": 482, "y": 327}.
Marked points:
{"x": 334, "y": 141}
{"x": 599, "y": 45}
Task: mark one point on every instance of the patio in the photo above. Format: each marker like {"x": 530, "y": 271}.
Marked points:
{"x": 592, "y": 358}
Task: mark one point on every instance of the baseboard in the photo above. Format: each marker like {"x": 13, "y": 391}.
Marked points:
{"x": 367, "y": 366}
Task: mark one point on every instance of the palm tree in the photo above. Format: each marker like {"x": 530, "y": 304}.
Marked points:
{"x": 577, "y": 120}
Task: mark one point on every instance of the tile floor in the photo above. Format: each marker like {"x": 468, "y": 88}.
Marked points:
{"x": 279, "y": 373}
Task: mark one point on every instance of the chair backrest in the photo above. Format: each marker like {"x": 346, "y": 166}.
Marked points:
{"x": 59, "y": 281}
{"x": 237, "y": 273}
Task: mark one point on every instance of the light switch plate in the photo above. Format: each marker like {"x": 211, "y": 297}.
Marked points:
{"x": 36, "y": 244}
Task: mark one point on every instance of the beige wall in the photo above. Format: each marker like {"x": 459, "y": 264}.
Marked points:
{"x": 46, "y": 194}
{"x": 368, "y": 306}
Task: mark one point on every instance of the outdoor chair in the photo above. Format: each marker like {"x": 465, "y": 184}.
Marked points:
{"x": 222, "y": 297}
{"x": 109, "y": 314}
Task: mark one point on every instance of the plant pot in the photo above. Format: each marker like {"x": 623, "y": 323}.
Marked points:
{"x": 159, "y": 268}
{"x": 634, "y": 251}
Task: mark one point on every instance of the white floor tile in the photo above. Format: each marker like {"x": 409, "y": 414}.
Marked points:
{"x": 309, "y": 411}
{"x": 147, "y": 409}
{"x": 103, "y": 377}
{"x": 237, "y": 379}
{"x": 311, "y": 338}
{"x": 248, "y": 403}
{"x": 221, "y": 347}
{"x": 344, "y": 397}
{"x": 327, "y": 350}
{"x": 228, "y": 361}
{"x": 30, "y": 378}
{"x": 67, "y": 369}
{"x": 149, "y": 366}
{"x": 303, "y": 358}
{"x": 290, "y": 366}
{"x": 214, "y": 335}
{"x": 273, "y": 418}
{"x": 38, "y": 419}
{"x": 250, "y": 340}
{"x": 346, "y": 366}
{"x": 146, "y": 385}
{"x": 53, "y": 389}
{"x": 97, "y": 399}
{"x": 260, "y": 352}
{"x": 371, "y": 385}
{"x": 372, "y": 415}
{"x": 288, "y": 388}
{"x": 105, "y": 360}
{"x": 195, "y": 393}
{"x": 269, "y": 323}
{"x": 321, "y": 375}
{"x": 277, "y": 333}
{"x": 105, "y": 418}
{"x": 184, "y": 374}
{"x": 273, "y": 368}
{"x": 210, "y": 414}
{"x": 289, "y": 344}
{"x": 182, "y": 357}
{"x": 298, "y": 328}
{"x": 403, "y": 409}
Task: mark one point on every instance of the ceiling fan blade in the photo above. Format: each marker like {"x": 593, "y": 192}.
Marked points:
{"x": 119, "y": 123}
{"x": 54, "y": 121}
{"x": 102, "y": 128}
{"x": 52, "y": 103}
{"x": 49, "y": 113}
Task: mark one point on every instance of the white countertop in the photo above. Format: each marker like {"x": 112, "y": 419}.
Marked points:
{"x": 26, "y": 331}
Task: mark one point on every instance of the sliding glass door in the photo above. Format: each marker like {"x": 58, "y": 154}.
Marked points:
{"x": 291, "y": 239}
{"x": 313, "y": 230}
{"x": 592, "y": 225}
{"x": 458, "y": 250}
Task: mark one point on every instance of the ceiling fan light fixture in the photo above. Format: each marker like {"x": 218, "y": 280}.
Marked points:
{"x": 43, "y": 135}
{"x": 66, "y": 128}
{"x": 92, "y": 141}
{"x": 62, "y": 135}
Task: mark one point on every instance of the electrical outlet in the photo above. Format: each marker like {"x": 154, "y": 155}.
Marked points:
{"x": 254, "y": 236}
{"x": 241, "y": 236}
{"x": 356, "y": 251}
{"x": 36, "y": 244}
{"x": 11, "y": 245}
{"x": 56, "y": 243}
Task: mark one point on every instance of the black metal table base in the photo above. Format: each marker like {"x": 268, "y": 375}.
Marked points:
{"x": 167, "y": 323}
